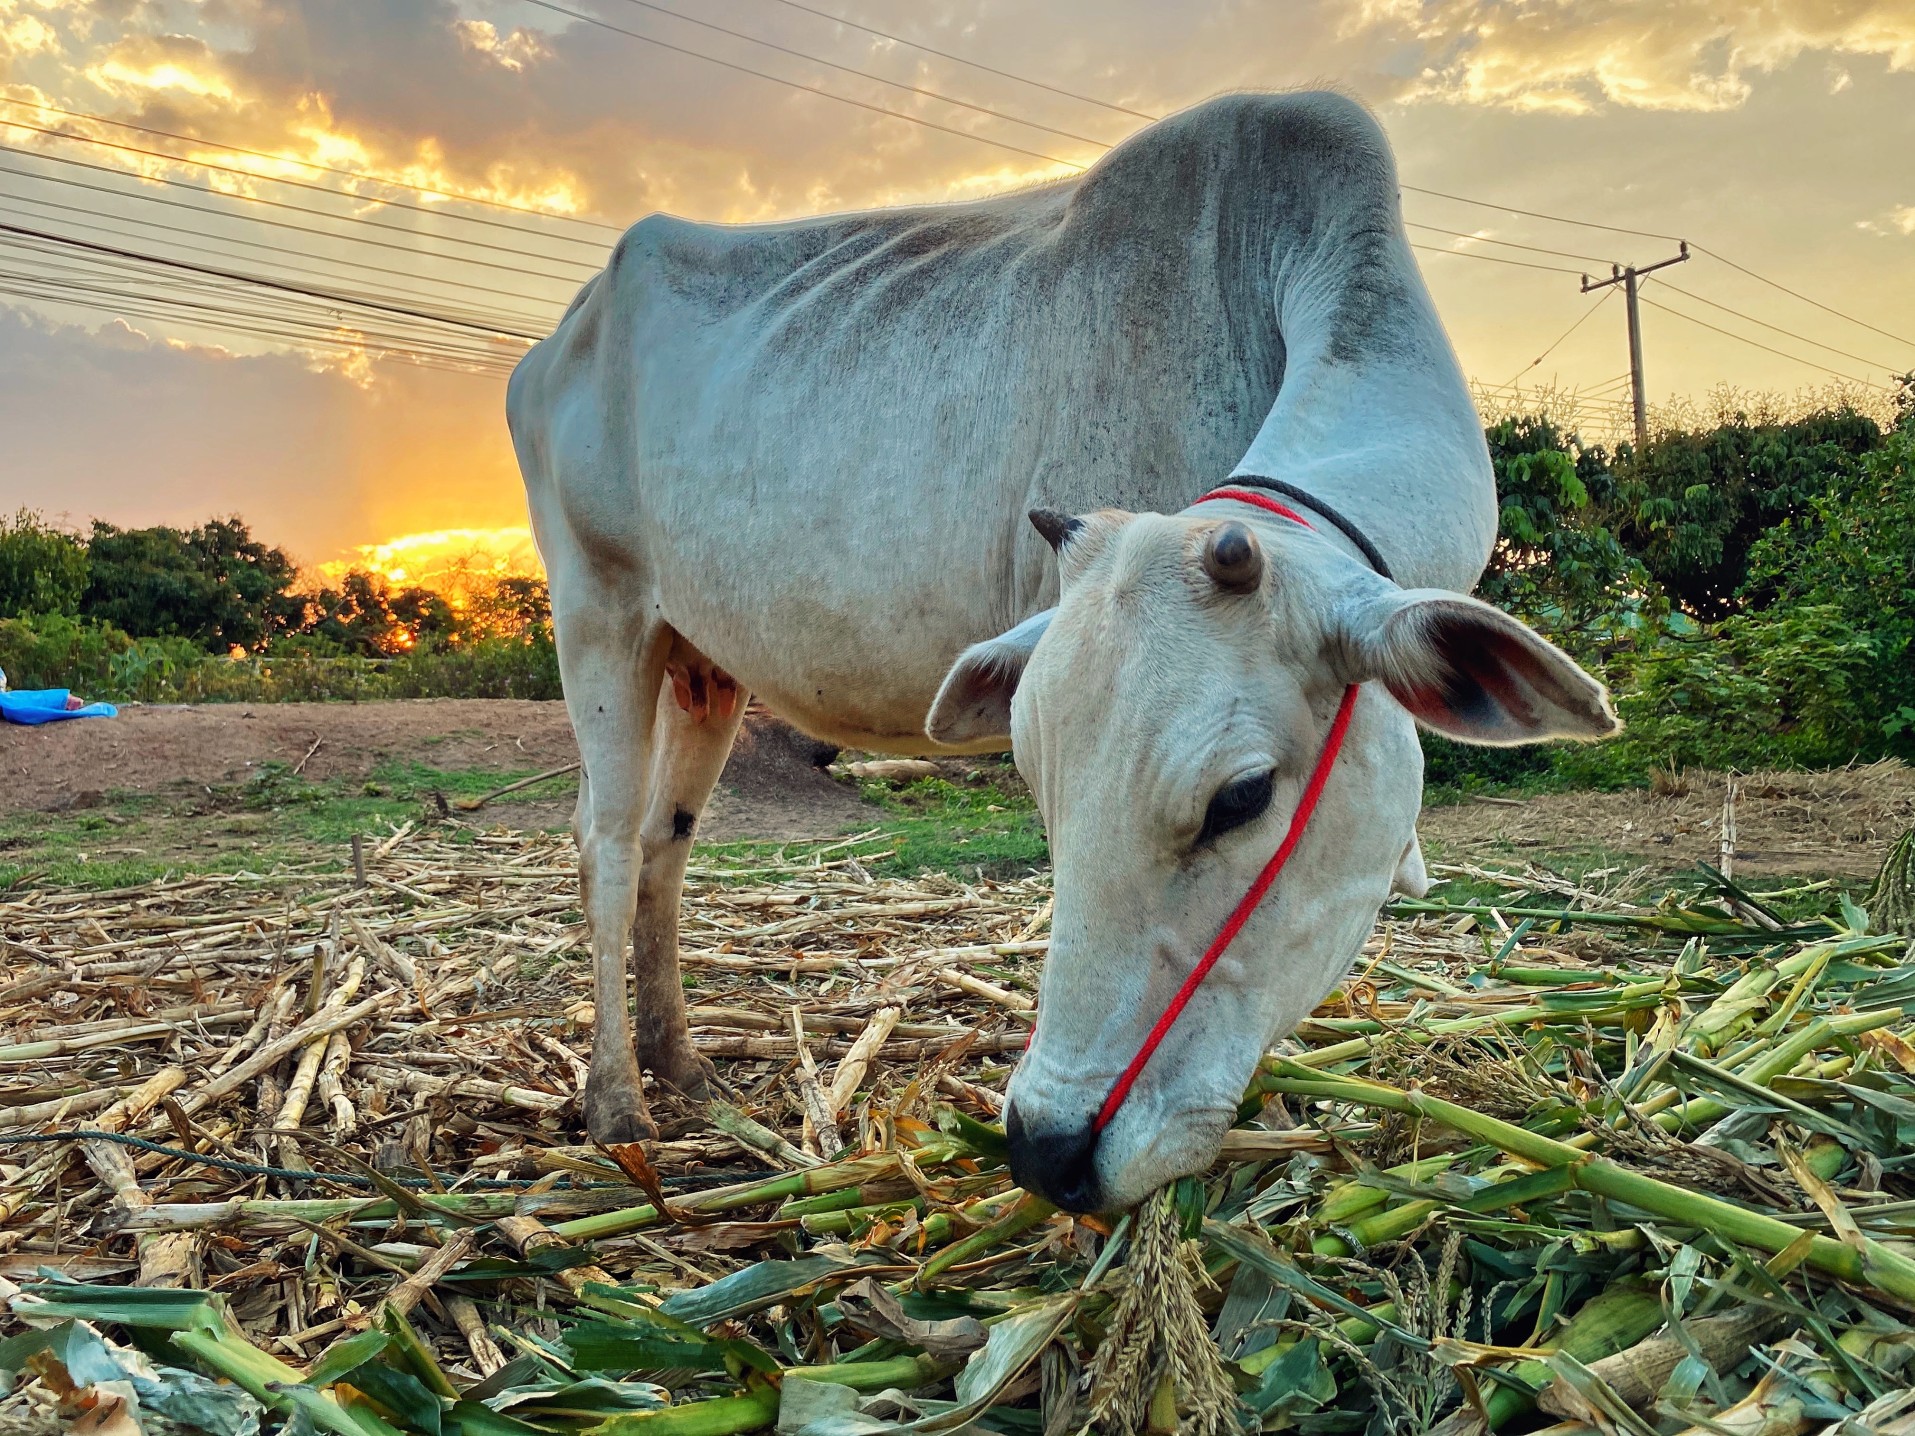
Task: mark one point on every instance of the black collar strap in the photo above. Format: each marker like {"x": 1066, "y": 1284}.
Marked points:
{"x": 1303, "y": 496}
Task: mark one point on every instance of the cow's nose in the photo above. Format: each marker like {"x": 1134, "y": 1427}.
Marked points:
{"x": 1059, "y": 1165}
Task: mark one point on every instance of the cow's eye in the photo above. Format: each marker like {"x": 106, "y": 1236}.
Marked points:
{"x": 1236, "y": 804}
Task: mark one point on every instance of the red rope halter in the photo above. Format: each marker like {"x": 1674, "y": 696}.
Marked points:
{"x": 1240, "y": 915}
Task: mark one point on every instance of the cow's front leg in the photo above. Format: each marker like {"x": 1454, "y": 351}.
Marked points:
{"x": 699, "y": 710}
{"x": 612, "y": 669}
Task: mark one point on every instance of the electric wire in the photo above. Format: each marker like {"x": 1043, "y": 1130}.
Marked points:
{"x": 343, "y": 237}
{"x": 34, "y": 203}
{"x": 360, "y": 175}
{"x": 974, "y": 64}
{"x": 160, "y": 279}
{"x": 1507, "y": 243}
{"x": 1557, "y": 341}
{"x": 583, "y": 18}
{"x": 284, "y": 323}
{"x": 1730, "y": 333}
{"x": 1794, "y": 294}
{"x": 869, "y": 75}
{"x": 1800, "y": 338}
{"x": 1491, "y": 258}
{"x": 1538, "y": 214}
{"x": 257, "y": 177}
{"x": 846, "y": 69}
{"x": 122, "y": 309}
{"x": 95, "y": 246}
{"x": 193, "y": 291}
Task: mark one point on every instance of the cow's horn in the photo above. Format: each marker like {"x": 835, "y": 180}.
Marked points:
{"x": 1057, "y": 528}
{"x": 1232, "y": 558}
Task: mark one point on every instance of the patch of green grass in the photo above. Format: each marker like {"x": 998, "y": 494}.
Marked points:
{"x": 271, "y": 818}
{"x": 983, "y": 826}
{"x": 130, "y": 842}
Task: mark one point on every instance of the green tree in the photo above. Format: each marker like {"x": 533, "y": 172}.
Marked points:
{"x": 367, "y": 615}
{"x": 1691, "y": 504}
{"x": 42, "y": 569}
{"x": 1558, "y": 563}
{"x": 215, "y": 584}
{"x": 1851, "y": 556}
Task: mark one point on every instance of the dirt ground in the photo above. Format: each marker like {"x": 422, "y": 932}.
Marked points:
{"x": 1837, "y": 823}
{"x": 774, "y": 787}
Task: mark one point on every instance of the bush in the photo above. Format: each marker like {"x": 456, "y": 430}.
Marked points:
{"x": 488, "y": 668}
{"x": 100, "y": 661}
{"x": 53, "y": 650}
{"x": 42, "y": 569}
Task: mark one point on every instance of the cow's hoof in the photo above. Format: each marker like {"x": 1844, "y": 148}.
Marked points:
{"x": 618, "y": 1117}
{"x": 693, "y": 1075}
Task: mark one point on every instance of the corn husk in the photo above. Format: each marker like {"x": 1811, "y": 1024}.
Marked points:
{"x": 1556, "y": 1149}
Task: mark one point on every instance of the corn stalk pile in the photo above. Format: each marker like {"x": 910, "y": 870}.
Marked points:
{"x": 306, "y": 1156}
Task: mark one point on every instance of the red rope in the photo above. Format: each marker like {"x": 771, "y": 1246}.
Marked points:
{"x": 1240, "y": 915}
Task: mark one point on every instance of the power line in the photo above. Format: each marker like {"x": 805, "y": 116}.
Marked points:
{"x": 226, "y": 327}
{"x": 1491, "y": 258}
{"x": 1537, "y": 214}
{"x": 1509, "y": 243}
{"x": 1802, "y": 338}
{"x": 1866, "y": 383}
{"x": 296, "y": 324}
{"x": 181, "y": 264}
{"x": 974, "y": 64}
{"x": 314, "y": 165}
{"x": 796, "y": 85}
{"x": 867, "y": 74}
{"x": 1793, "y": 294}
{"x": 415, "y": 248}
{"x": 277, "y": 249}
{"x": 1560, "y": 337}
{"x": 309, "y": 185}
{"x": 299, "y": 324}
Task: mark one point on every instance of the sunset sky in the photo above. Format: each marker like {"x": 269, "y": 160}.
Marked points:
{"x": 1780, "y": 137}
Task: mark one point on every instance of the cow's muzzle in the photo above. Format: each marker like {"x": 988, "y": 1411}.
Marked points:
{"x": 1059, "y": 1165}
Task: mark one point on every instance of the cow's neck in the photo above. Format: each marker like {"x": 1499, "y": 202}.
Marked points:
{"x": 1372, "y": 415}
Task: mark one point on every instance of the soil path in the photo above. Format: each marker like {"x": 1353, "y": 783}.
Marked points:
{"x": 1839, "y": 823}
{"x": 774, "y": 786}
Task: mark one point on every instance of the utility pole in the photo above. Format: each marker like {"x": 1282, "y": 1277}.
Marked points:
{"x": 1627, "y": 278}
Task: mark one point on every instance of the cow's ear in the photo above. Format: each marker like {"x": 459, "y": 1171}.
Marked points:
{"x": 974, "y": 704}
{"x": 1469, "y": 671}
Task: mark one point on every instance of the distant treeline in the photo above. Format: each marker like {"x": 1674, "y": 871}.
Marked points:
{"x": 1746, "y": 586}
{"x": 210, "y": 613}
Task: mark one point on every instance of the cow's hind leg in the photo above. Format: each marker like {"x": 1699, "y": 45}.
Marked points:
{"x": 699, "y": 710}
{"x": 612, "y": 662}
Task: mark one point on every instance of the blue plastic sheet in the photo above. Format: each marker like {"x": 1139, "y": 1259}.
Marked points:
{"x": 47, "y": 705}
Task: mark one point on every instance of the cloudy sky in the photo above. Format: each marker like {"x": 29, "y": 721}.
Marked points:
{"x": 1778, "y": 136}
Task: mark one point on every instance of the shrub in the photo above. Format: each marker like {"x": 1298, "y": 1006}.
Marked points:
{"x": 42, "y": 569}
{"x": 488, "y": 668}
{"x": 52, "y": 650}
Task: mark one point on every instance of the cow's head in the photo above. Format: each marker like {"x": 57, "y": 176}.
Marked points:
{"x": 1167, "y": 714}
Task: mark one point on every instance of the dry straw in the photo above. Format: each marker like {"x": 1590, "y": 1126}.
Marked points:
{"x": 1491, "y": 1178}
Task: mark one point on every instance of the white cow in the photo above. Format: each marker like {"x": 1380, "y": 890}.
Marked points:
{"x": 794, "y": 460}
